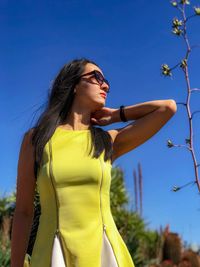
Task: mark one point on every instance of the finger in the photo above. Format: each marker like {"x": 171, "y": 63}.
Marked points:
{"x": 94, "y": 121}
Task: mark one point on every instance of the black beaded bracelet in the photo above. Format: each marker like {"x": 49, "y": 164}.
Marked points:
{"x": 122, "y": 115}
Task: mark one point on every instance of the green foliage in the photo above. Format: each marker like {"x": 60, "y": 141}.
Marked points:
{"x": 166, "y": 71}
{"x": 151, "y": 244}
{"x": 179, "y": 29}
{"x": 176, "y": 26}
{"x": 183, "y": 63}
{"x": 197, "y": 11}
{"x": 174, "y": 3}
{"x": 185, "y": 2}
{"x": 169, "y": 143}
{"x": 118, "y": 194}
{"x": 172, "y": 248}
{"x": 7, "y": 206}
{"x": 4, "y": 253}
{"x": 142, "y": 244}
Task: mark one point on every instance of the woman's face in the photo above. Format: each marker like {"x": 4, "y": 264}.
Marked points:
{"x": 92, "y": 89}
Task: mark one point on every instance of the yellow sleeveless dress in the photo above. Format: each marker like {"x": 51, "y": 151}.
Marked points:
{"x": 76, "y": 227}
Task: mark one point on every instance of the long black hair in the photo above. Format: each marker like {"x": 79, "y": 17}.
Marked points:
{"x": 60, "y": 100}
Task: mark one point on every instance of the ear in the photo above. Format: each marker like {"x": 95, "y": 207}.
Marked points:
{"x": 75, "y": 89}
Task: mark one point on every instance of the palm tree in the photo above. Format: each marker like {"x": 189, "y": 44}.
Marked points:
{"x": 7, "y": 206}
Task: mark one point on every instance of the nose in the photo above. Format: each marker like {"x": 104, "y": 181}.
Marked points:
{"x": 105, "y": 87}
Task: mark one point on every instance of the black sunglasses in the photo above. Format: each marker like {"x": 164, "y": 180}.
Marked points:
{"x": 98, "y": 76}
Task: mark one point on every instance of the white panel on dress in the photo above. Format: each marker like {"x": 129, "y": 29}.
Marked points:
{"x": 107, "y": 255}
{"x": 57, "y": 259}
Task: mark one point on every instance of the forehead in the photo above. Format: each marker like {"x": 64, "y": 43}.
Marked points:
{"x": 90, "y": 67}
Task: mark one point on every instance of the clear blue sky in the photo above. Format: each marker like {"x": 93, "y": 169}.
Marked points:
{"x": 129, "y": 40}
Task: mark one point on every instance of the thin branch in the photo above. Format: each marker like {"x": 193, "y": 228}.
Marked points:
{"x": 186, "y": 73}
{"x": 182, "y": 146}
{"x": 191, "y": 16}
{"x": 185, "y": 68}
{"x": 197, "y": 111}
{"x": 177, "y": 188}
{"x": 194, "y": 89}
{"x": 195, "y": 46}
{"x": 181, "y": 103}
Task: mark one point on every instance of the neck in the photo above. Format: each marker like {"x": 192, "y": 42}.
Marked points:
{"x": 78, "y": 119}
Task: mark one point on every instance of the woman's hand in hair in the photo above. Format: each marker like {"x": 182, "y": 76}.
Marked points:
{"x": 102, "y": 116}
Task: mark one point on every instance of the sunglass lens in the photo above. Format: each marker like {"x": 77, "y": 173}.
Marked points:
{"x": 107, "y": 82}
{"x": 101, "y": 79}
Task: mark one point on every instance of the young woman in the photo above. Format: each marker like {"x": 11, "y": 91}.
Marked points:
{"x": 69, "y": 159}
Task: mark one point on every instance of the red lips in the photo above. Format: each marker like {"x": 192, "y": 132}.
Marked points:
{"x": 103, "y": 94}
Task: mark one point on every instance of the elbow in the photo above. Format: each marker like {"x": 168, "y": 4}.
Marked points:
{"x": 171, "y": 106}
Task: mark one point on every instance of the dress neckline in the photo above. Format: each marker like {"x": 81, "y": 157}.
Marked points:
{"x": 66, "y": 130}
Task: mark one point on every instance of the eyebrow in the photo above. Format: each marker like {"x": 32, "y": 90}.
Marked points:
{"x": 99, "y": 72}
{"x": 91, "y": 72}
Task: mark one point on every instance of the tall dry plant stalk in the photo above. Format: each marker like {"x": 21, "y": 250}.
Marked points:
{"x": 136, "y": 191}
{"x": 138, "y": 188}
{"x": 179, "y": 28}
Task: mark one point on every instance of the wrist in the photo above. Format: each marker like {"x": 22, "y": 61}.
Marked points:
{"x": 122, "y": 113}
{"x": 116, "y": 115}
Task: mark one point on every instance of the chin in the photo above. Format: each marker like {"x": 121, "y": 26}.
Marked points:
{"x": 99, "y": 105}
{"x": 103, "y": 104}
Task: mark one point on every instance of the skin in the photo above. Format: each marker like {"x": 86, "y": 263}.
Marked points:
{"x": 88, "y": 108}
{"x": 87, "y": 101}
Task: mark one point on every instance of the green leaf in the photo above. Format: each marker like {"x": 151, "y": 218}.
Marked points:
{"x": 185, "y": 2}
{"x": 183, "y": 63}
{"x": 174, "y": 3}
{"x": 177, "y": 31}
{"x": 169, "y": 143}
{"x": 176, "y": 23}
{"x": 197, "y": 10}
{"x": 176, "y": 188}
{"x": 166, "y": 71}
{"x": 187, "y": 140}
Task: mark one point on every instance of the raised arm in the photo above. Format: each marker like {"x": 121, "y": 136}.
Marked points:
{"x": 149, "y": 118}
{"x": 24, "y": 210}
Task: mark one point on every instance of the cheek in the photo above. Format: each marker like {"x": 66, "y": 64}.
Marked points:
{"x": 90, "y": 90}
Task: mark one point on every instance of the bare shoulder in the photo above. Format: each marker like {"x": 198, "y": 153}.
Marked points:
{"x": 25, "y": 175}
{"x": 28, "y": 134}
{"x": 26, "y": 144}
{"x": 113, "y": 133}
